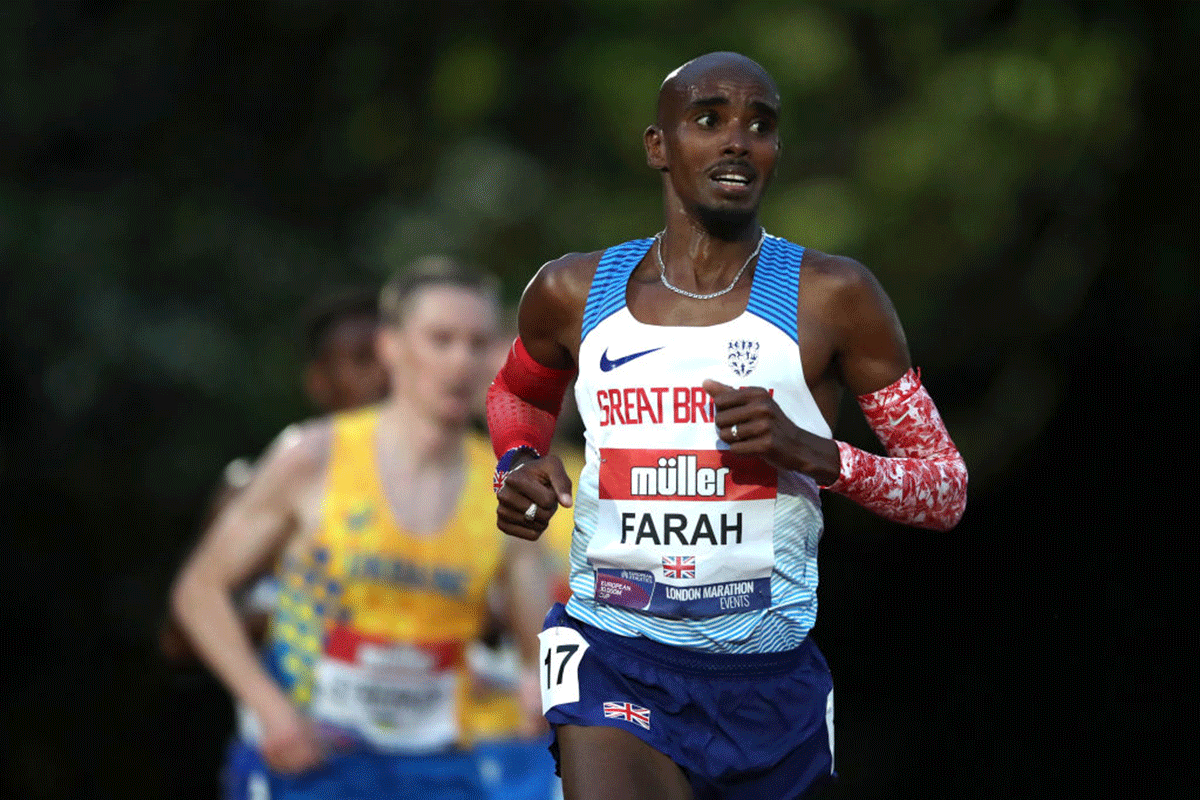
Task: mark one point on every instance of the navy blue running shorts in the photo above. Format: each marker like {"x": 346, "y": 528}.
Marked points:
{"x": 740, "y": 726}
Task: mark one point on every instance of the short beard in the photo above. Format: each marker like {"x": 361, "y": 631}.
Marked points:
{"x": 728, "y": 225}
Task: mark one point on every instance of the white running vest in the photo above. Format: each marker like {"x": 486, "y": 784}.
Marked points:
{"x": 677, "y": 539}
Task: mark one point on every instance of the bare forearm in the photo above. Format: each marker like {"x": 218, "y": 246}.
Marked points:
{"x": 205, "y": 611}
{"x": 529, "y": 596}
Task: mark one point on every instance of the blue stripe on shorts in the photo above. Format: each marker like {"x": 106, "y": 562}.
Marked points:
{"x": 740, "y": 726}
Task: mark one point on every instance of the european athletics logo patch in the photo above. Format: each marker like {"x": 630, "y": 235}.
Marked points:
{"x": 628, "y": 712}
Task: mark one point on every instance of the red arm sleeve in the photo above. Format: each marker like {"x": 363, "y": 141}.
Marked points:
{"x": 923, "y": 479}
{"x": 523, "y": 402}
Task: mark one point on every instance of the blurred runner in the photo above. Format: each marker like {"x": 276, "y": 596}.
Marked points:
{"x": 388, "y": 549}
{"x": 341, "y": 372}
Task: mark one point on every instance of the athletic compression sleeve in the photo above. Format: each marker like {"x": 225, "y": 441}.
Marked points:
{"x": 923, "y": 479}
{"x": 523, "y": 402}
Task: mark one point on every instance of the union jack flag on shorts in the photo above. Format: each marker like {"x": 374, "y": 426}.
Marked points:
{"x": 679, "y": 566}
{"x": 628, "y": 712}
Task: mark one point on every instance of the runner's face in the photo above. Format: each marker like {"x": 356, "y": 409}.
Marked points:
{"x": 443, "y": 351}
{"x": 719, "y": 140}
{"x": 350, "y": 367}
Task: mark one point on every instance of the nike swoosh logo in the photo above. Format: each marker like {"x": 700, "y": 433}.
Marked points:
{"x": 606, "y": 365}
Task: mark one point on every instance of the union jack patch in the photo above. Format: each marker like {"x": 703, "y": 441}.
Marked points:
{"x": 628, "y": 712}
{"x": 679, "y": 566}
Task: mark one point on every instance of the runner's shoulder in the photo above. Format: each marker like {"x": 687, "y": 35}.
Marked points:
{"x": 301, "y": 449}
{"x": 836, "y": 284}
{"x": 833, "y": 269}
{"x": 565, "y": 281}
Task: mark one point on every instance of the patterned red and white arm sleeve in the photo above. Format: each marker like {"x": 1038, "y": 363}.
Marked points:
{"x": 923, "y": 479}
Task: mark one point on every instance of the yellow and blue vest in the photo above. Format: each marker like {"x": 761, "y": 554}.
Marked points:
{"x": 372, "y": 621}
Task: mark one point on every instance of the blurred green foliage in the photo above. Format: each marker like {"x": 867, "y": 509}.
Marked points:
{"x": 177, "y": 180}
{"x": 184, "y": 178}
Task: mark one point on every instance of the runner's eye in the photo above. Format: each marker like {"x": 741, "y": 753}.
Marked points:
{"x": 707, "y": 120}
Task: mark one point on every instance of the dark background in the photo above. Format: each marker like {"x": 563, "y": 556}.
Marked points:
{"x": 176, "y": 180}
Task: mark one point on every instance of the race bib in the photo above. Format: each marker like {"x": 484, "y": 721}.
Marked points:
{"x": 684, "y": 533}
{"x": 560, "y": 651}
{"x": 387, "y": 695}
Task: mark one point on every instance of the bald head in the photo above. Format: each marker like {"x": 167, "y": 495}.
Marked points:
{"x": 684, "y": 81}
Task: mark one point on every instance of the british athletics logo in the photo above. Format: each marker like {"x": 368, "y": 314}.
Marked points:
{"x": 743, "y": 356}
{"x": 679, "y": 566}
{"x": 628, "y": 712}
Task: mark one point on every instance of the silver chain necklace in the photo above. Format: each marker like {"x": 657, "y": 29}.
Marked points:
{"x": 662, "y": 270}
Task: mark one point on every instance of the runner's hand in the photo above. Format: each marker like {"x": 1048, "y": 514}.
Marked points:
{"x": 763, "y": 430}
{"x": 290, "y": 742}
{"x": 542, "y": 482}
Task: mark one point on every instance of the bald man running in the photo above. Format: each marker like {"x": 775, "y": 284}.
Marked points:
{"x": 711, "y": 359}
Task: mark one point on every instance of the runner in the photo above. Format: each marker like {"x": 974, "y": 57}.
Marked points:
{"x": 711, "y": 359}
{"x": 388, "y": 551}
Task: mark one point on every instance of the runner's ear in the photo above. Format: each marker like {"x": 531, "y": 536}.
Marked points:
{"x": 317, "y": 387}
{"x": 655, "y": 155}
